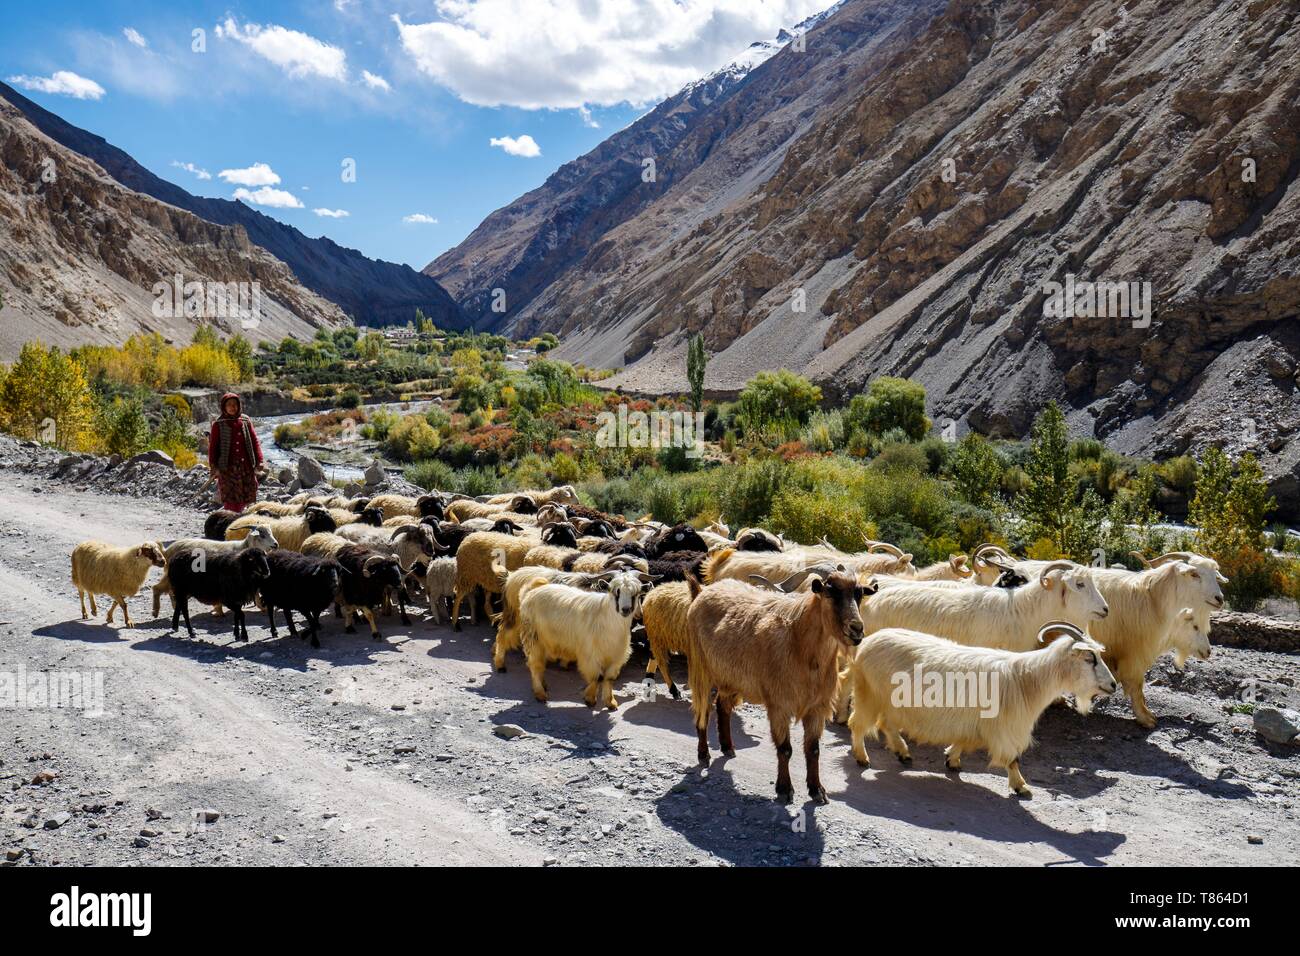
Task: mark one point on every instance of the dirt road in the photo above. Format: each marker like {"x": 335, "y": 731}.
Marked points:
{"x": 397, "y": 753}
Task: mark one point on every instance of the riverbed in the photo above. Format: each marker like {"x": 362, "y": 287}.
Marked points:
{"x": 339, "y": 462}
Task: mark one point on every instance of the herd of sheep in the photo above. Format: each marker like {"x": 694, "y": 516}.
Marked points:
{"x": 808, "y": 632}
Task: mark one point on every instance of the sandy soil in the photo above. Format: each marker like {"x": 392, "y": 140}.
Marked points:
{"x": 363, "y": 752}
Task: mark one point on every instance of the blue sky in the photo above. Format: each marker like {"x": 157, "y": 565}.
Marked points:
{"x": 414, "y": 92}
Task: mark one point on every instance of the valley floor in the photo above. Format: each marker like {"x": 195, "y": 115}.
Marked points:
{"x": 363, "y": 752}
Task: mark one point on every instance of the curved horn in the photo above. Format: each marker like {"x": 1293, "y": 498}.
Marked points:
{"x": 405, "y": 529}
{"x": 1169, "y": 556}
{"x": 1053, "y": 626}
{"x": 761, "y": 582}
{"x": 1053, "y": 566}
{"x": 885, "y": 547}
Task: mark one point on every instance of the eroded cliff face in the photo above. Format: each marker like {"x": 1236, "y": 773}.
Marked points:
{"x": 79, "y": 254}
{"x": 895, "y": 199}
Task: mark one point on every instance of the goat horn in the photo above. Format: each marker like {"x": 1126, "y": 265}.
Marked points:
{"x": 1170, "y": 556}
{"x": 759, "y": 581}
{"x": 1051, "y": 626}
{"x": 1053, "y": 566}
{"x": 887, "y": 548}
{"x": 405, "y": 529}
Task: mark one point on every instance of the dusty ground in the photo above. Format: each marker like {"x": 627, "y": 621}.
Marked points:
{"x": 386, "y": 753}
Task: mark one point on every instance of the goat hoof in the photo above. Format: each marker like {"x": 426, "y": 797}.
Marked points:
{"x": 501, "y": 668}
{"x": 785, "y": 796}
{"x": 1024, "y": 793}
{"x": 904, "y": 758}
{"x": 952, "y": 768}
{"x": 863, "y": 761}
{"x": 677, "y": 695}
{"x": 819, "y": 797}
{"x": 703, "y": 756}
{"x": 729, "y": 751}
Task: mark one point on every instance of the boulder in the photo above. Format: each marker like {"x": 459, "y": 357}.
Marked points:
{"x": 1278, "y": 724}
{"x": 375, "y": 474}
{"x": 310, "y": 472}
{"x": 285, "y": 475}
{"x": 353, "y": 488}
{"x": 154, "y": 457}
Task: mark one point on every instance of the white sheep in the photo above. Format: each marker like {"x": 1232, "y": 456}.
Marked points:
{"x": 593, "y": 628}
{"x": 969, "y": 698}
{"x": 100, "y": 568}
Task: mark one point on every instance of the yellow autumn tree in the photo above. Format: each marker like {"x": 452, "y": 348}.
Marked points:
{"x": 45, "y": 397}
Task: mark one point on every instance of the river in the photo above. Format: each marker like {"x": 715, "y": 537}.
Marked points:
{"x": 277, "y": 457}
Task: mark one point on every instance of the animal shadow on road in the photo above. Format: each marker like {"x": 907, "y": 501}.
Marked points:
{"x": 89, "y": 632}
{"x": 745, "y": 829}
{"x": 586, "y": 730}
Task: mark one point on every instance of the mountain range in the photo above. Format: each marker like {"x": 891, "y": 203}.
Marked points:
{"x": 899, "y": 192}
{"x": 368, "y": 291}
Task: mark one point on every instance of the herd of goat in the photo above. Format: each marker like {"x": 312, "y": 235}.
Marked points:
{"x": 809, "y": 632}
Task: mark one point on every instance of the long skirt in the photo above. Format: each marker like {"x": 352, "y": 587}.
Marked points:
{"x": 237, "y": 486}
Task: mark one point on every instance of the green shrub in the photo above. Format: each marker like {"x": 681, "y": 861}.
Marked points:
{"x": 805, "y": 516}
{"x": 412, "y": 439}
{"x": 777, "y": 403}
{"x": 748, "y": 496}
{"x": 891, "y": 403}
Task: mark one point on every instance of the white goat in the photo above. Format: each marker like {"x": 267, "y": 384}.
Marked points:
{"x": 988, "y": 699}
{"x": 593, "y": 628}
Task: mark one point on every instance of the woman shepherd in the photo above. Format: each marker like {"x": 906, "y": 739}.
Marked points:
{"x": 234, "y": 455}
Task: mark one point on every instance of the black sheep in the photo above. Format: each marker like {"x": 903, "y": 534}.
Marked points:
{"x": 371, "y": 516}
{"x": 595, "y": 528}
{"x": 302, "y": 583}
{"x": 674, "y": 565}
{"x": 367, "y": 578}
{"x": 449, "y": 534}
{"x": 231, "y": 578}
{"x": 591, "y": 514}
{"x": 615, "y": 546}
{"x": 214, "y": 528}
{"x": 561, "y": 534}
{"x": 431, "y": 506}
{"x": 358, "y": 505}
{"x": 680, "y": 537}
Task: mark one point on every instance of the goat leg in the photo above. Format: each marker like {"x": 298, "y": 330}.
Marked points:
{"x": 402, "y": 598}
{"x": 781, "y": 737}
{"x": 812, "y": 748}
{"x": 724, "y": 705}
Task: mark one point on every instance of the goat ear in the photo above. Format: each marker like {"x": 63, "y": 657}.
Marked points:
{"x": 817, "y": 584}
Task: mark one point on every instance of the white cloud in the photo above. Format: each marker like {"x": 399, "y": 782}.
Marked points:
{"x": 332, "y": 213}
{"x": 565, "y": 54}
{"x": 132, "y": 34}
{"x": 587, "y": 119}
{"x": 343, "y": 6}
{"x": 259, "y": 174}
{"x": 191, "y": 168}
{"x": 266, "y": 196}
{"x": 524, "y": 145}
{"x": 298, "y": 54}
{"x": 420, "y": 219}
{"x": 374, "y": 81}
{"x": 62, "y": 83}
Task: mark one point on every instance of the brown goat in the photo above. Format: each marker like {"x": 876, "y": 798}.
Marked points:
{"x": 775, "y": 649}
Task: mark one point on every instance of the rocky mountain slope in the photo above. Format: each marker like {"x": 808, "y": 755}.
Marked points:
{"x": 80, "y": 253}
{"x": 915, "y": 177}
{"x": 371, "y": 291}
